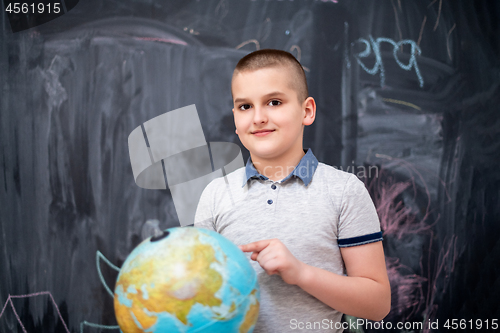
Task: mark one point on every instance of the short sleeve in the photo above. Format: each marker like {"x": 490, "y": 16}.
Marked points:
{"x": 358, "y": 221}
{"x": 204, "y": 212}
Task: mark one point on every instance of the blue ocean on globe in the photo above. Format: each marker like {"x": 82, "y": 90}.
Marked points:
{"x": 187, "y": 280}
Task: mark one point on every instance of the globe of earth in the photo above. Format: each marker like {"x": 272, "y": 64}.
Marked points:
{"x": 186, "y": 280}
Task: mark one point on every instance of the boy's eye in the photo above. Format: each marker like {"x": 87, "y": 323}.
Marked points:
{"x": 274, "y": 103}
{"x": 244, "y": 107}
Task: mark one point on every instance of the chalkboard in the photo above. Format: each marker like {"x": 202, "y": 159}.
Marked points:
{"x": 407, "y": 94}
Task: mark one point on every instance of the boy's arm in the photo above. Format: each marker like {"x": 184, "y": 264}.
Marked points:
{"x": 365, "y": 291}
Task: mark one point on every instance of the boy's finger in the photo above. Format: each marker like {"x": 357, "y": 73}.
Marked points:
{"x": 255, "y": 246}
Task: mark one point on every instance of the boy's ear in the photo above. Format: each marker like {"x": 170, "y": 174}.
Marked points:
{"x": 309, "y": 107}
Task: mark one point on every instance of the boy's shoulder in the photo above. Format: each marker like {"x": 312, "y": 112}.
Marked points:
{"x": 326, "y": 172}
{"x": 338, "y": 183}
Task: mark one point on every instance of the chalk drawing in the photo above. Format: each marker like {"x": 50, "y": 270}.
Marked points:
{"x": 103, "y": 327}
{"x": 439, "y": 14}
{"x": 421, "y": 30}
{"x": 299, "y": 52}
{"x": 191, "y": 31}
{"x": 397, "y": 20}
{"x": 99, "y": 256}
{"x": 374, "y": 44}
{"x": 255, "y": 41}
{"x": 448, "y": 40}
{"x": 163, "y": 40}
{"x": 9, "y": 301}
{"x": 400, "y": 221}
{"x": 346, "y": 50}
{"x": 298, "y": 56}
{"x": 265, "y": 29}
{"x": 397, "y": 101}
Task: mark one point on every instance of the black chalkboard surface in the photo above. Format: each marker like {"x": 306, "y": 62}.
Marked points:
{"x": 407, "y": 94}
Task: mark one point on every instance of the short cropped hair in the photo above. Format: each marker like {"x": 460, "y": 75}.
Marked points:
{"x": 268, "y": 58}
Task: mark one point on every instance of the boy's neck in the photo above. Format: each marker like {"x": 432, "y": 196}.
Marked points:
{"x": 277, "y": 168}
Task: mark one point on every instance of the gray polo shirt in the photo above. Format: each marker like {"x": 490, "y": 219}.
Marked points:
{"x": 313, "y": 211}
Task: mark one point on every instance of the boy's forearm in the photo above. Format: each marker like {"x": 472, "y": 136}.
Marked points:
{"x": 356, "y": 296}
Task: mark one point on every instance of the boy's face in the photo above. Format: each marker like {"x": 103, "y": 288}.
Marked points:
{"x": 268, "y": 116}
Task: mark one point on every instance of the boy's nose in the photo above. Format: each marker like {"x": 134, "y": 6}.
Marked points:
{"x": 260, "y": 115}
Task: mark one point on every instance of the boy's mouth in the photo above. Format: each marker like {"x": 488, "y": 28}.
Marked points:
{"x": 262, "y": 132}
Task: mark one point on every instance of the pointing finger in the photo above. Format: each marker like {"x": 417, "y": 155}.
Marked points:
{"x": 255, "y": 246}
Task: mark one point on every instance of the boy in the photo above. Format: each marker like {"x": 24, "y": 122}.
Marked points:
{"x": 306, "y": 224}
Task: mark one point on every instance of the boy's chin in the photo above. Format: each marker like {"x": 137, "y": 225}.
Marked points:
{"x": 265, "y": 153}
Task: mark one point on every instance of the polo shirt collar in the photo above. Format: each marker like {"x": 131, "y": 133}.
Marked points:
{"x": 304, "y": 170}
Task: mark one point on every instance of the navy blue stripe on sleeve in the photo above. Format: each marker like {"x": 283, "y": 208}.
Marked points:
{"x": 360, "y": 240}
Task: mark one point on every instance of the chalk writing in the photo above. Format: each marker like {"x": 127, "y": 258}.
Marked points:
{"x": 374, "y": 44}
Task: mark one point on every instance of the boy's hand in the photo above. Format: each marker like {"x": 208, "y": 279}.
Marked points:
{"x": 274, "y": 257}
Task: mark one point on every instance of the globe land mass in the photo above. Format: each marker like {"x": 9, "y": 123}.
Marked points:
{"x": 184, "y": 278}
